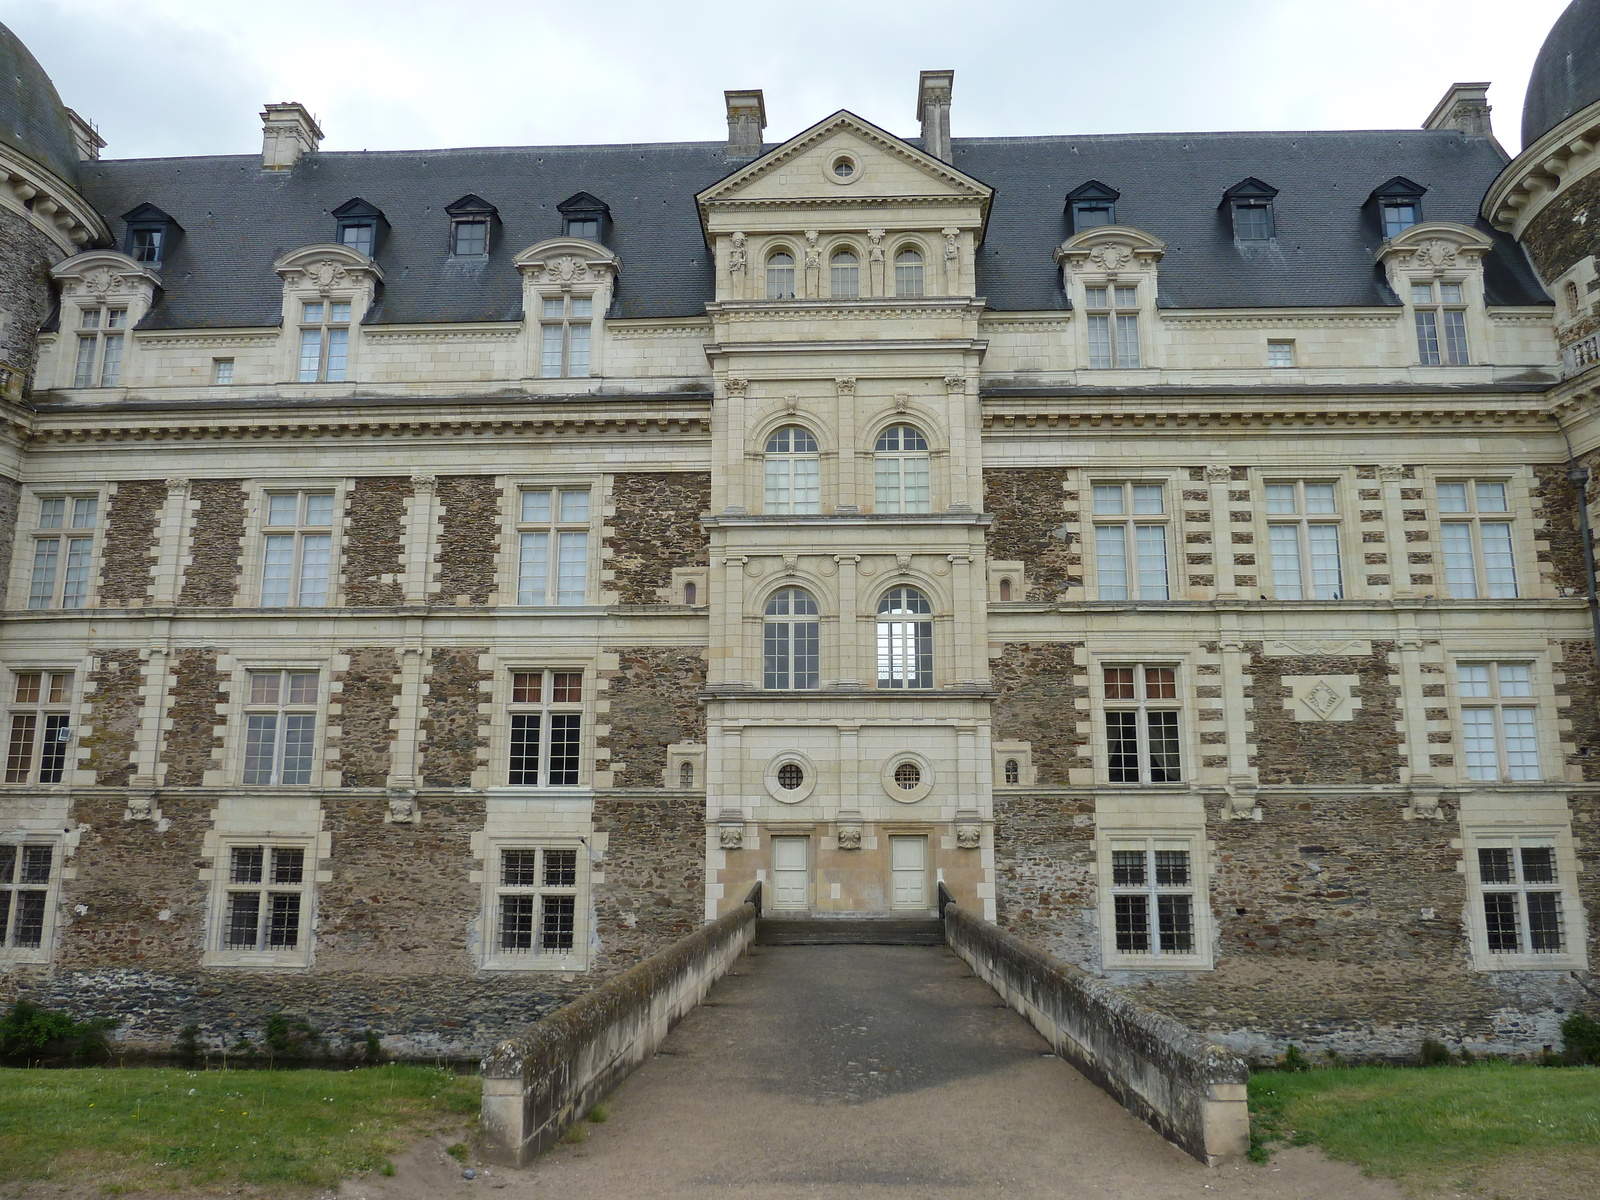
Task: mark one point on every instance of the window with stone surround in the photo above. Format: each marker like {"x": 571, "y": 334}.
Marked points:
{"x": 63, "y": 552}
{"x": 780, "y": 275}
{"x": 1153, "y": 901}
{"x": 41, "y": 726}
{"x": 1303, "y": 540}
{"x": 538, "y": 906}
{"x": 1523, "y": 914}
{"x": 102, "y": 333}
{"x": 1499, "y": 729}
{"x": 844, "y": 275}
{"x": 1130, "y": 540}
{"x": 30, "y": 869}
{"x": 566, "y": 323}
{"x": 792, "y": 473}
{"x": 297, "y": 549}
{"x": 1475, "y": 539}
{"x": 553, "y": 545}
{"x": 545, "y": 729}
{"x": 281, "y": 718}
{"x": 1440, "y": 312}
{"x": 908, "y": 273}
{"x": 264, "y": 902}
{"x": 324, "y": 340}
{"x": 790, "y": 641}
{"x": 900, "y": 471}
{"x": 905, "y": 639}
{"x": 1142, "y": 723}
{"x": 1113, "y": 324}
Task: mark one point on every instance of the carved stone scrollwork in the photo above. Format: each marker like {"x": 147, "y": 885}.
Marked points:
{"x": 1111, "y": 257}
{"x": 902, "y": 402}
{"x": 1219, "y": 474}
{"x": 141, "y": 807}
{"x": 791, "y": 564}
{"x": 324, "y": 275}
{"x": 846, "y": 385}
{"x": 955, "y": 383}
{"x": 1391, "y": 474}
{"x": 849, "y": 837}
{"x": 1435, "y": 255}
{"x": 903, "y": 561}
{"x": 731, "y": 837}
{"x": 737, "y": 385}
{"x": 969, "y": 837}
{"x": 403, "y": 808}
{"x": 424, "y": 483}
{"x": 178, "y": 486}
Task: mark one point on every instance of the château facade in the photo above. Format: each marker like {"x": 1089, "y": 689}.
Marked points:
{"x": 434, "y": 580}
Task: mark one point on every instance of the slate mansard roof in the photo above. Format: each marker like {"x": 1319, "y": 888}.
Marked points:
{"x": 238, "y": 219}
{"x": 32, "y": 117}
{"x": 1566, "y": 75}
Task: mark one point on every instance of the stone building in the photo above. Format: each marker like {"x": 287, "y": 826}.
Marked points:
{"x": 437, "y": 579}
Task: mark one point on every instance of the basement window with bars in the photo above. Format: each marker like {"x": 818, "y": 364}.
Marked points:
{"x": 1520, "y": 885}
{"x": 1154, "y": 904}
{"x": 537, "y": 921}
{"x": 28, "y": 875}
{"x": 265, "y": 901}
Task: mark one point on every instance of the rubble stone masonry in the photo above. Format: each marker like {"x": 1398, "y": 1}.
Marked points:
{"x": 653, "y": 703}
{"x": 191, "y": 744}
{"x": 451, "y": 733}
{"x": 1032, "y": 526}
{"x": 113, "y": 703}
{"x": 469, "y": 537}
{"x": 366, "y": 696}
{"x": 10, "y": 498}
{"x": 1567, "y": 229}
{"x": 215, "y": 544}
{"x": 1040, "y": 686}
{"x": 1366, "y": 749}
{"x": 374, "y": 547}
{"x": 654, "y": 889}
{"x": 127, "y": 558}
{"x": 656, "y": 527}
{"x": 25, "y": 295}
{"x": 1045, "y": 873}
{"x": 1560, "y": 504}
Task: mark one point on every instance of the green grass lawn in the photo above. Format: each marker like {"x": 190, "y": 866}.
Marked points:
{"x": 1436, "y": 1124}
{"x": 167, "y": 1128}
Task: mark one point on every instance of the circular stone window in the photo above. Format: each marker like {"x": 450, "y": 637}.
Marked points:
{"x": 843, "y": 169}
{"x": 790, "y": 777}
{"x": 907, "y": 777}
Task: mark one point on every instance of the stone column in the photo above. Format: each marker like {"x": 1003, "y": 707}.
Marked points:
{"x": 838, "y": 651}
{"x": 1390, "y": 480}
{"x": 852, "y": 491}
{"x": 1218, "y": 481}
{"x": 169, "y": 545}
{"x": 407, "y": 721}
{"x": 421, "y": 508}
{"x": 736, "y": 421}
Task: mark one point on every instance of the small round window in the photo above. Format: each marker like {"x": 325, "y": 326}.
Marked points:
{"x": 790, "y": 776}
{"x": 908, "y": 776}
{"x": 843, "y": 168}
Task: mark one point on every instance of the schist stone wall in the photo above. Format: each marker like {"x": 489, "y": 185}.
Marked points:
{"x": 1032, "y": 526}
{"x": 469, "y": 536}
{"x": 374, "y": 540}
{"x": 655, "y": 527}
{"x": 1366, "y": 749}
{"x": 652, "y": 702}
{"x": 26, "y": 256}
{"x": 365, "y": 692}
{"x": 1567, "y": 229}
{"x": 127, "y": 558}
{"x": 211, "y": 567}
{"x": 1040, "y": 686}
{"x": 114, "y": 698}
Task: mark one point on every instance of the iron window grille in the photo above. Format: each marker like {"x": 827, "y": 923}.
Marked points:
{"x": 1520, "y": 893}
{"x": 26, "y": 874}
{"x": 537, "y": 900}
{"x": 266, "y": 898}
{"x": 1153, "y": 899}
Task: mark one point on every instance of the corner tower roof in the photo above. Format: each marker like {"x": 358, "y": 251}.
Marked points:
{"x": 33, "y": 121}
{"x": 1566, "y": 75}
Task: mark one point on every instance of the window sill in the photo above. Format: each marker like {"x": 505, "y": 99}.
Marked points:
{"x": 1164, "y": 963}
{"x": 31, "y": 956}
{"x": 541, "y": 963}
{"x": 258, "y": 960}
{"x": 1490, "y": 963}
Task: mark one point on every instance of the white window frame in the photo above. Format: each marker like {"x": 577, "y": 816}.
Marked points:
{"x": 282, "y": 709}
{"x": 49, "y": 715}
{"x": 1134, "y": 493}
{"x": 1141, "y": 704}
{"x": 1281, "y": 353}
{"x": 1437, "y": 316}
{"x": 322, "y": 343}
{"x": 787, "y": 663}
{"x": 77, "y": 545}
{"x": 10, "y": 887}
{"x": 1148, "y": 842}
{"x": 1111, "y": 320}
{"x": 905, "y": 649}
{"x": 300, "y": 533}
{"x": 910, "y": 278}
{"x": 1573, "y": 955}
{"x": 781, "y": 475}
{"x": 558, "y": 528}
{"x": 844, "y": 278}
{"x": 100, "y": 351}
{"x": 1474, "y": 517}
{"x": 775, "y": 273}
{"x": 1302, "y": 520}
{"x": 895, "y": 486}
{"x": 218, "y": 952}
{"x": 492, "y": 956}
{"x": 567, "y": 339}
{"x": 545, "y": 709}
{"x": 1496, "y": 701}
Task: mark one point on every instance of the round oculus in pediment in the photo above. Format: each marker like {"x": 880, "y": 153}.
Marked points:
{"x": 843, "y": 168}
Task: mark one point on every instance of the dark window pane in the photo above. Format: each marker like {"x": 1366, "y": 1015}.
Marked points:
{"x": 1176, "y": 917}
{"x": 1252, "y": 222}
{"x": 1500, "y": 922}
{"x": 1090, "y": 216}
{"x": 1127, "y": 868}
{"x": 1494, "y": 866}
{"x": 790, "y": 776}
{"x": 1164, "y": 766}
{"x": 358, "y": 237}
{"x": 1172, "y": 868}
{"x": 564, "y": 749}
{"x": 36, "y": 861}
{"x": 247, "y": 864}
{"x": 519, "y": 868}
{"x": 775, "y": 672}
{"x": 1119, "y": 683}
{"x": 19, "y": 757}
{"x": 244, "y": 918}
{"x": 283, "y": 931}
{"x": 1013, "y": 771}
{"x": 30, "y": 919}
{"x": 560, "y": 868}
{"x": 147, "y": 245}
{"x": 555, "y": 931}
{"x": 8, "y": 863}
{"x": 566, "y": 687}
{"x": 1132, "y": 915}
{"x": 525, "y": 687}
{"x": 1544, "y": 922}
{"x": 472, "y": 237}
{"x": 1538, "y": 864}
{"x": 516, "y": 922}
{"x": 1122, "y": 746}
{"x": 524, "y": 749}
{"x": 53, "y": 752}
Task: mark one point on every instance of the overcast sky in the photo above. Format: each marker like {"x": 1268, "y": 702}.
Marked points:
{"x": 173, "y": 77}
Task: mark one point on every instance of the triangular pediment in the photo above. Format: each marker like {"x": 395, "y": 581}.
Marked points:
{"x": 806, "y": 170}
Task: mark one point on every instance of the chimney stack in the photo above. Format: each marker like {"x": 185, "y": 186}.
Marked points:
{"x": 933, "y": 110}
{"x": 288, "y": 130}
{"x": 85, "y": 137}
{"x": 1465, "y": 108}
{"x": 747, "y": 117}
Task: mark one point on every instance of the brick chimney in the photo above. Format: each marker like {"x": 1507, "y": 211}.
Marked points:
{"x": 288, "y": 130}
{"x": 747, "y": 117}
{"x": 933, "y": 110}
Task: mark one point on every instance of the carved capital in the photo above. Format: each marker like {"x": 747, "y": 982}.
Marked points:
{"x": 846, "y": 385}
{"x": 969, "y": 837}
{"x": 178, "y": 487}
{"x": 955, "y": 383}
{"x": 1391, "y": 474}
{"x": 731, "y": 837}
{"x": 1219, "y": 474}
{"x": 737, "y": 385}
{"x": 424, "y": 483}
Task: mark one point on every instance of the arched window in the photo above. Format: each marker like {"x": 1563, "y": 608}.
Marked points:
{"x": 789, "y": 639}
{"x": 844, "y": 276}
{"x": 900, "y": 471}
{"x": 1005, "y": 590}
{"x": 905, "y": 639}
{"x": 793, "y": 473}
{"x": 1572, "y": 299}
{"x": 686, "y": 774}
{"x": 1013, "y": 771}
{"x": 908, "y": 273}
{"x": 689, "y": 594}
{"x": 780, "y": 276}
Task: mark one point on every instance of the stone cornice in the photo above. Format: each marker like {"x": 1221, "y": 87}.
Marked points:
{"x": 876, "y": 307}
{"x": 259, "y": 335}
{"x": 51, "y": 203}
{"x": 727, "y": 520}
{"x": 1538, "y": 173}
{"x": 1159, "y": 413}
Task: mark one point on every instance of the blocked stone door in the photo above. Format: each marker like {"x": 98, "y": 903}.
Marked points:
{"x": 791, "y": 874}
{"x": 908, "y": 864}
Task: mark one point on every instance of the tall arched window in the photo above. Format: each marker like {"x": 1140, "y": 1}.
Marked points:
{"x": 844, "y": 276}
{"x": 905, "y": 639}
{"x": 780, "y": 276}
{"x": 789, "y": 640}
{"x": 908, "y": 273}
{"x": 793, "y": 472}
{"x": 900, "y": 471}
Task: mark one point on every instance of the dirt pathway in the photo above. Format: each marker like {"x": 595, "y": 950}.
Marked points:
{"x": 869, "y": 1072}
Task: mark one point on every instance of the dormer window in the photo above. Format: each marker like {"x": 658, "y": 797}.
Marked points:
{"x": 1250, "y": 204}
{"x": 1397, "y": 205}
{"x": 585, "y": 216}
{"x": 1092, "y": 205}
{"x": 472, "y": 221}
{"x": 150, "y": 234}
{"x": 360, "y": 226}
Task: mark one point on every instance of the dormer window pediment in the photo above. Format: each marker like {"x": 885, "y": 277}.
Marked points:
{"x": 473, "y": 223}
{"x": 1396, "y": 205}
{"x": 1092, "y": 205}
{"x": 360, "y": 226}
{"x": 585, "y": 216}
{"x": 1250, "y": 205}
{"x": 151, "y": 235}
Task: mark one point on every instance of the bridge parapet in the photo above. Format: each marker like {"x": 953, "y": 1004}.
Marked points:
{"x": 1188, "y": 1089}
